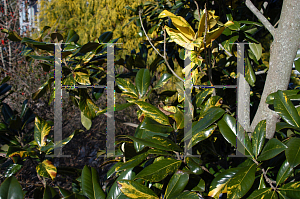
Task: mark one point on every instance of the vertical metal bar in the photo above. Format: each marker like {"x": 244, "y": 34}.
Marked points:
{"x": 57, "y": 103}
{"x": 187, "y": 106}
{"x": 110, "y": 142}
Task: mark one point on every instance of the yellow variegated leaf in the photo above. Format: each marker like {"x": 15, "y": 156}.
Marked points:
{"x": 179, "y": 38}
{"x": 220, "y": 182}
{"x": 153, "y": 112}
{"x": 88, "y": 107}
{"x": 134, "y": 189}
{"x": 82, "y": 78}
{"x": 41, "y": 130}
{"x": 22, "y": 154}
{"x": 211, "y": 22}
{"x": 180, "y": 23}
{"x": 127, "y": 86}
{"x": 213, "y": 35}
{"x": 171, "y": 109}
{"x": 46, "y": 169}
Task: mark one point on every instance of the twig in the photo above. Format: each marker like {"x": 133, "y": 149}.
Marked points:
{"x": 265, "y": 175}
{"x": 163, "y": 56}
{"x": 261, "y": 17}
{"x": 221, "y": 46}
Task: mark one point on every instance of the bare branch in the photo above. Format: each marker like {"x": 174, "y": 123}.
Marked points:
{"x": 163, "y": 56}
{"x": 261, "y": 17}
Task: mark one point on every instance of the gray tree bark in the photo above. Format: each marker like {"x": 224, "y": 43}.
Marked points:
{"x": 282, "y": 54}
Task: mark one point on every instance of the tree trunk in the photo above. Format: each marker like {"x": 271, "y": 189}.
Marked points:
{"x": 282, "y": 54}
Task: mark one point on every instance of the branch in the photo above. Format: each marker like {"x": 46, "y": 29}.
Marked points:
{"x": 163, "y": 56}
{"x": 261, "y": 17}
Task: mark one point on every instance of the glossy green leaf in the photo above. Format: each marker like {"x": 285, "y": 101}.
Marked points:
{"x": 164, "y": 141}
{"x": 227, "y": 126}
{"x": 241, "y": 182}
{"x": 12, "y": 169}
{"x": 133, "y": 161}
{"x": 142, "y": 81}
{"x": 271, "y": 149}
{"x": 292, "y": 153}
{"x": 11, "y": 189}
{"x": 200, "y": 186}
{"x": 114, "y": 192}
{"x": 150, "y": 143}
{"x": 187, "y": 194}
{"x": 176, "y": 184}
{"x": 194, "y": 165}
{"x": 290, "y": 190}
{"x": 162, "y": 81}
{"x": 285, "y": 108}
{"x": 46, "y": 169}
{"x": 127, "y": 87}
{"x": 284, "y": 172}
{"x": 249, "y": 73}
{"x": 159, "y": 170}
{"x": 256, "y": 49}
{"x": 90, "y": 184}
{"x": 291, "y": 94}
{"x": 90, "y": 46}
{"x": 284, "y": 125}
{"x": 153, "y": 112}
{"x": 220, "y": 182}
{"x": 202, "y": 135}
{"x": 41, "y": 130}
{"x": 134, "y": 189}
{"x": 265, "y": 193}
{"x": 143, "y": 134}
{"x": 154, "y": 126}
{"x": 212, "y": 115}
{"x": 258, "y": 138}
{"x": 37, "y": 44}
{"x": 262, "y": 183}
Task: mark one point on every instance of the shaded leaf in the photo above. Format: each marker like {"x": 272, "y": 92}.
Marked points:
{"x": 284, "y": 172}
{"x": 292, "y": 153}
{"x": 90, "y": 184}
{"x": 285, "y": 108}
{"x": 176, "y": 184}
{"x": 11, "y": 189}
{"x": 271, "y": 149}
